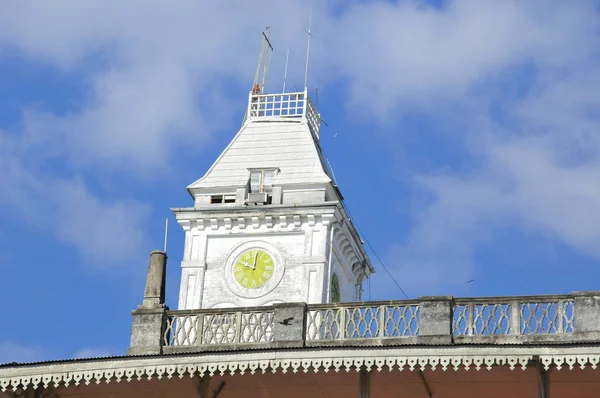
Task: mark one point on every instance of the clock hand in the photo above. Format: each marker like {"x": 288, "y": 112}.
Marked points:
{"x": 246, "y": 264}
{"x": 255, "y": 258}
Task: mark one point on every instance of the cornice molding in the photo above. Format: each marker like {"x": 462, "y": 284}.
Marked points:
{"x": 241, "y": 223}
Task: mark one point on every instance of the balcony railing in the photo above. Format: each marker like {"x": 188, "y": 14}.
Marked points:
{"x": 428, "y": 320}
{"x": 219, "y": 327}
{"x": 288, "y": 106}
{"x": 513, "y": 316}
{"x": 359, "y": 321}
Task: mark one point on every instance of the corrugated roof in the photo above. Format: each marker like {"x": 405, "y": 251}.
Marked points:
{"x": 287, "y": 145}
{"x": 299, "y": 349}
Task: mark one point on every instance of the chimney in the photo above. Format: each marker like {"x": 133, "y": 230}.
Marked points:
{"x": 154, "y": 294}
{"x": 150, "y": 318}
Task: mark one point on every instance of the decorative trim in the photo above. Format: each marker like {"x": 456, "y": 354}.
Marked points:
{"x": 185, "y": 224}
{"x": 350, "y": 252}
{"x": 127, "y": 369}
{"x": 240, "y": 224}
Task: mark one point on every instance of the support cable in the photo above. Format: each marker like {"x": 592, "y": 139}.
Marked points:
{"x": 375, "y": 253}
{"x": 364, "y": 237}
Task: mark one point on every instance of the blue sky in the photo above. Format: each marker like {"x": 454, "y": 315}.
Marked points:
{"x": 463, "y": 135}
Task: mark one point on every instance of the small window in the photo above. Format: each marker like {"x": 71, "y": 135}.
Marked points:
{"x": 261, "y": 180}
{"x": 218, "y": 199}
{"x": 335, "y": 289}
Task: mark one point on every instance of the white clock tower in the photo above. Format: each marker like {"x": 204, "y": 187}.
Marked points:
{"x": 268, "y": 224}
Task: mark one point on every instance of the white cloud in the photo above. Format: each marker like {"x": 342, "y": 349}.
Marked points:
{"x": 12, "y": 352}
{"x": 519, "y": 186}
{"x": 538, "y": 172}
{"x": 106, "y": 232}
{"x": 405, "y": 53}
{"x": 93, "y": 353}
{"x": 153, "y": 74}
{"x": 153, "y": 71}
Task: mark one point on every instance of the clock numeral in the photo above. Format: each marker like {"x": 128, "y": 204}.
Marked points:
{"x": 253, "y": 268}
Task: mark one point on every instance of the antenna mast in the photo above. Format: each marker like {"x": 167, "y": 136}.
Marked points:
{"x": 166, "y": 234}
{"x": 265, "y": 45}
{"x": 308, "y": 47}
{"x": 285, "y": 73}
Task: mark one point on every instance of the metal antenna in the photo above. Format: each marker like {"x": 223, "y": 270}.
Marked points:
{"x": 264, "y": 52}
{"x": 267, "y": 57}
{"x": 257, "y": 87}
{"x": 287, "y": 57}
{"x": 166, "y": 234}
{"x": 260, "y": 57}
{"x": 308, "y": 47}
{"x": 317, "y": 98}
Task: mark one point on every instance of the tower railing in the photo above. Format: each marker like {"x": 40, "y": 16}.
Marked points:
{"x": 284, "y": 107}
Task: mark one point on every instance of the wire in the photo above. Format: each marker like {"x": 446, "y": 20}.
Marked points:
{"x": 364, "y": 236}
{"x": 376, "y": 256}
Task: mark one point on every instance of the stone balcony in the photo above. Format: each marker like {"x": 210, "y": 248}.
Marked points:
{"x": 519, "y": 346}
{"x": 426, "y": 321}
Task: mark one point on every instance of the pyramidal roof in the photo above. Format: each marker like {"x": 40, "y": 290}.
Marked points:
{"x": 280, "y": 131}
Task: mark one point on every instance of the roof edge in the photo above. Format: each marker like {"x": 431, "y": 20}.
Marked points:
{"x": 109, "y": 369}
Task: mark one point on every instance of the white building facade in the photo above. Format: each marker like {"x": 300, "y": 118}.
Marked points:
{"x": 268, "y": 223}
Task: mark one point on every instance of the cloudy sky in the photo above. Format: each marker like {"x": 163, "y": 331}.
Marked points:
{"x": 462, "y": 133}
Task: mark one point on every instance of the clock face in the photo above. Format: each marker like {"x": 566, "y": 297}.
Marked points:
{"x": 253, "y": 268}
{"x": 335, "y": 289}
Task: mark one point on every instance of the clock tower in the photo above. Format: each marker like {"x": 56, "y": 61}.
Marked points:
{"x": 268, "y": 223}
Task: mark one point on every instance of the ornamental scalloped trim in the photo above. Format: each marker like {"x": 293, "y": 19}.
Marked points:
{"x": 444, "y": 363}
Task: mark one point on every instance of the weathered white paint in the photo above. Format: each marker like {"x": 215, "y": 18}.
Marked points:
{"x": 297, "y": 246}
{"x": 287, "y": 145}
{"x": 295, "y": 227}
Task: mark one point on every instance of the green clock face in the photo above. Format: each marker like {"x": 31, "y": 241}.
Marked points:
{"x": 253, "y": 268}
{"x": 335, "y": 289}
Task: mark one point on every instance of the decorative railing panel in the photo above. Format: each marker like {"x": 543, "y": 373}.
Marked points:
{"x": 513, "y": 316}
{"x": 481, "y": 319}
{"x": 313, "y": 118}
{"x": 549, "y": 317}
{"x": 287, "y": 106}
{"x": 277, "y": 105}
{"x": 185, "y": 328}
{"x": 362, "y": 322}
